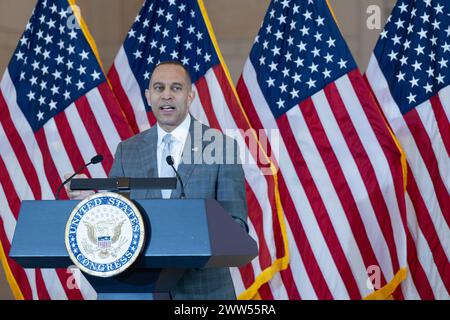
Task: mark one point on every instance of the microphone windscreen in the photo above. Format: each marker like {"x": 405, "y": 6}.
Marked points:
{"x": 169, "y": 160}
{"x": 98, "y": 158}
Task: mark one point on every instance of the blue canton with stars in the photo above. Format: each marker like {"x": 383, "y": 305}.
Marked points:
{"x": 169, "y": 30}
{"x": 53, "y": 64}
{"x": 298, "y": 51}
{"x": 414, "y": 50}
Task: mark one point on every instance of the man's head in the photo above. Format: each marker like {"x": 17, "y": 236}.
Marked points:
{"x": 170, "y": 94}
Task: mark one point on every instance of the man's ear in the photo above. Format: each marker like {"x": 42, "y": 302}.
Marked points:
{"x": 191, "y": 97}
{"x": 147, "y": 95}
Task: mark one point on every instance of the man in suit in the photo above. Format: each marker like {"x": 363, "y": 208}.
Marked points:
{"x": 215, "y": 174}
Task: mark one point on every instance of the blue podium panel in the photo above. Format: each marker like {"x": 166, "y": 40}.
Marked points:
{"x": 180, "y": 234}
{"x": 39, "y": 235}
{"x": 137, "y": 284}
{"x": 176, "y": 234}
{"x": 188, "y": 233}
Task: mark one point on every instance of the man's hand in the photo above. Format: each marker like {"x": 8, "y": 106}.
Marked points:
{"x": 77, "y": 194}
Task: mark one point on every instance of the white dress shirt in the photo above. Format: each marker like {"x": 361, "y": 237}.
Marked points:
{"x": 179, "y": 136}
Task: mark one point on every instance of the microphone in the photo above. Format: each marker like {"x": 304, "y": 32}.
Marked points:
{"x": 98, "y": 158}
{"x": 170, "y": 162}
{"x": 241, "y": 222}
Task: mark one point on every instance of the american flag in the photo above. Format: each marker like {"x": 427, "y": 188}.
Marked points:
{"x": 409, "y": 74}
{"x": 341, "y": 178}
{"x": 56, "y": 112}
{"x": 180, "y": 30}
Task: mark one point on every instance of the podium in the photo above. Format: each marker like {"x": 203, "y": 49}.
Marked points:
{"x": 180, "y": 234}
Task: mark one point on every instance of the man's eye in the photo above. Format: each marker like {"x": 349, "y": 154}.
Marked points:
{"x": 159, "y": 88}
{"x": 176, "y": 88}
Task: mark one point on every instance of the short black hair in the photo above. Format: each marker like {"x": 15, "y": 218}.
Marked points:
{"x": 174, "y": 63}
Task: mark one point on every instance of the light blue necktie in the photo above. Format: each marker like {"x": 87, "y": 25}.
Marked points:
{"x": 166, "y": 170}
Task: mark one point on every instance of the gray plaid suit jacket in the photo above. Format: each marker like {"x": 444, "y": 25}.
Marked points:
{"x": 136, "y": 157}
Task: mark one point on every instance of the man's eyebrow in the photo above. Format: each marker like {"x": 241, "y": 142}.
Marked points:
{"x": 172, "y": 84}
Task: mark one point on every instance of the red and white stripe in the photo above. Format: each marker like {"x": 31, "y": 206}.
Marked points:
{"x": 128, "y": 93}
{"x": 33, "y": 165}
{"x": 220, "y": 112}
{"x": 424, "y": 134}
{"x": 340, "y": 182}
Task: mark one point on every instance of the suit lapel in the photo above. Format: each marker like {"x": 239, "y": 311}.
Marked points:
{"x": 194, "y": 148}
{"x": 147, "y": 153}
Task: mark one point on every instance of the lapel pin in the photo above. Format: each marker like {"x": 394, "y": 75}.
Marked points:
{"x": 195, "y": 149}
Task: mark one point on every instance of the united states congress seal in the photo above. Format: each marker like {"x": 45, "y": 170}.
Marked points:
{"x": 104, "y": 234}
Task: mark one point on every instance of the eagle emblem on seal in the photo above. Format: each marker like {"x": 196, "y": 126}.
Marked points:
{"x": 104, "y": 234}
{"x": 105, "y": 238}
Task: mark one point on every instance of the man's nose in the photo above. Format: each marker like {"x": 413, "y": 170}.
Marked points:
{"x": 167, "y": 94}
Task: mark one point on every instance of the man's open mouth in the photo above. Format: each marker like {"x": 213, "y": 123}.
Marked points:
{"x": 167, "y": 107}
